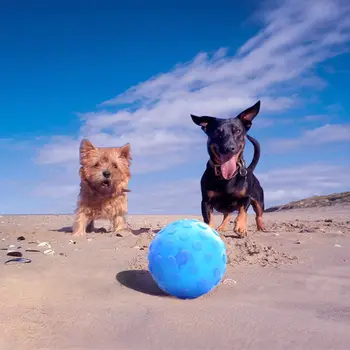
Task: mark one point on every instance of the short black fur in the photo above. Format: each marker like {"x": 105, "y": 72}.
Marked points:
{"x": 237, "y": 188}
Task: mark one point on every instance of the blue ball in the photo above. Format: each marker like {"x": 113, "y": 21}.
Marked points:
{"x": 187, "y": 259}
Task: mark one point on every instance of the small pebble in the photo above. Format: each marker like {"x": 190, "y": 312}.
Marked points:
{"x": 337, "y": 245}
{"x": 44, "y": 244}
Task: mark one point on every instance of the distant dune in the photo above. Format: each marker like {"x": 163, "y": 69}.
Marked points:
{"x": 342, "y": 198}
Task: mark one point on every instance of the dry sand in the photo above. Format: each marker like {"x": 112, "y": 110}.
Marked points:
{"x": 287, "y": 288}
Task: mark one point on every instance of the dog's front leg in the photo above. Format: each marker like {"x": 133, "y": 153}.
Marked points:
{"x": 80, "y": 224}
{"x": 90, "y": 227}
{"x": 241, "y": 219}
{"x": 118, "y": 223}
{"x": 222, "y": 227}
{"x": 207, "y": 212}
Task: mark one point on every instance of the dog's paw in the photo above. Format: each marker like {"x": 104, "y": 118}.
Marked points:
{"x": 260, "y": 225}
{"x": 241, "y": 228}
{"x": 78, "y": 234}
{"x": 119, "y": 228}
{"x": 123, "y": 232}
{"x": 221, "y": 228}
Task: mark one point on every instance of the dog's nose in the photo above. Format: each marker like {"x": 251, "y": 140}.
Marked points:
{"x": 230, "y": 149}
{"x": 106, "y": 174}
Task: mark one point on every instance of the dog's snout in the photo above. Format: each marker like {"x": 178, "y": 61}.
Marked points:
{"x": 106, "y": 174}
{"x": 230, "y": 148}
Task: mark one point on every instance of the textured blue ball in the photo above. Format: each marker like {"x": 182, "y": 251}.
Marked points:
{"x": 187, "y": 259}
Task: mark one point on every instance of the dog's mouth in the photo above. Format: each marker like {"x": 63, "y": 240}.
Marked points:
{"x": 228, "y": 162}
{"x": 105, "y": 183}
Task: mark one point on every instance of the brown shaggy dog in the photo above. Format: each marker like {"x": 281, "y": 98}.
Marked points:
{"x": 104, "y": 175}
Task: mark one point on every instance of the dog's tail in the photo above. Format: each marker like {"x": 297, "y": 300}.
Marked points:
{"x": 256, "y": 156}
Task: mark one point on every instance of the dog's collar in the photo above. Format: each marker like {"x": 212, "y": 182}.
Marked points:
{"x": 241, "y": 169}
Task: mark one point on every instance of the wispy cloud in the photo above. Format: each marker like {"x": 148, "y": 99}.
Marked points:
{"x": 284, "y": 185}
{"x": 57, "y": 191}
{"x": 315, "y": 117}
{"x": 273, "y": 66}
{"x": 295, "y": 37}
{"x": 280, "y": 186}
{"x": 178, "y": 197}
{"x": 329, "y": 133}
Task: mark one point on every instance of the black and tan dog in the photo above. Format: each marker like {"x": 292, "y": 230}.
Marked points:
{"x": 227, "y": 184}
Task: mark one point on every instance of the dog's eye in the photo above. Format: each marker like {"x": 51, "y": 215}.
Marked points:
{"x": 96, "y": 165}
{"x": 115, "y": 165}
{"x": 220, "y": 133}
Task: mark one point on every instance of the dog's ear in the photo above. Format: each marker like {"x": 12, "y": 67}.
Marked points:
{"x": 249, "y": 114}
{"x": 202, "y": 121}
{"x": 86, "y": 145}
{"x": 86, "y": 148}
{"x": 125, "y": 151}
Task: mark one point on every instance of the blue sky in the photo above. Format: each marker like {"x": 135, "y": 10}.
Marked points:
{"x": 134, "y": 73}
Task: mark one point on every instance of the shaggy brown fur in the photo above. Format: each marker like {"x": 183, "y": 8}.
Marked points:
{"x": 104, "y": 174}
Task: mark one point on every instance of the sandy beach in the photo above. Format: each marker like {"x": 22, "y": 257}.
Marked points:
{"x": 287, "y": 288}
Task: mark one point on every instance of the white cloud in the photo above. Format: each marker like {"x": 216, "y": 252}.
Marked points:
{"x": 57, "y": 191}
{"x": 280, "y": 186}
{"x": 177, "y": 197}
{"x": 272, "y": 66}
{"x": 329, "y": 133}
{"x": 62, "y": 149}
{"x": 184, "y": 196}
{"x": 284, "y": 185}
{"x": 315, "y": 117}
{"x": 295, "y": 37}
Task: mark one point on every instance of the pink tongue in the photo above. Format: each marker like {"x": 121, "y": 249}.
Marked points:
{"x": 228, "y": 168}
